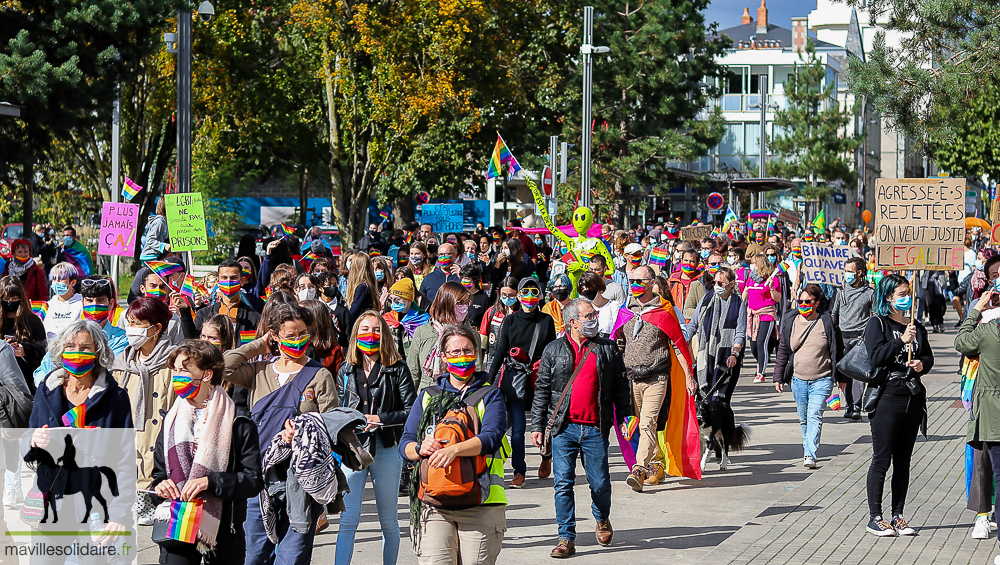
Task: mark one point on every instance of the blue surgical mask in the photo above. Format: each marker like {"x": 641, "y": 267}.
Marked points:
{"x": 849, "y": 278}
{"x": 508, "y": 300}
{"x": 772, "y": 258}
{"x": 67, "y": 241}
{"x": 996, "y": 284}
{"x": 705, "y": 253}
{"x": 59, "y": 288}
{"x": 471, "y": 255}
{"x": 379, "y": 275}
{"x": 398, "y": 306}
{"x": 903, "y": 303}
{"x": 979, "y": 264}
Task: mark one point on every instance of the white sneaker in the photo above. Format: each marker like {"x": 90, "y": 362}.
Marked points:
{"x": 996, "y": 560}
{"x": 808, "y": 462}
{"x": 145, "y": 520}
{"x": 9, "y": 498}
{"x": 758, "y": 378}
{"x": 981, "y": 530}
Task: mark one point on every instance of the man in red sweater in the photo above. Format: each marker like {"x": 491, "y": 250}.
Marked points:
{"x": 581, "y": 392}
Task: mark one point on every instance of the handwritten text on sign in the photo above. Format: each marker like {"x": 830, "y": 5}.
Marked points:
{"x": 186, "y": 222}
{"x": 118, "y": 227}
{"x": 824, "y": 264}
{"x": 919, "y": 224}
{"x": 693, "y": 233}
{"x": 443, "y": 217}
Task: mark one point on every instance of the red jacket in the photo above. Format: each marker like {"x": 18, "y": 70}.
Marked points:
{"x": 33, "y": 280}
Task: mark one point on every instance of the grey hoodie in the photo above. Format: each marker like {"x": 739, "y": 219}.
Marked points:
{"x": 852, "y": 307}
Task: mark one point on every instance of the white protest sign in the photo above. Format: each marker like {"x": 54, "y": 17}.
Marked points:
{"x": 919, "y": 224}
{"x": 824, "y": 264}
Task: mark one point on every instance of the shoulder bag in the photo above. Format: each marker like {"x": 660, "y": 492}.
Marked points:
{"x": 547, "y": 436}
{"x": 856, "y": 364}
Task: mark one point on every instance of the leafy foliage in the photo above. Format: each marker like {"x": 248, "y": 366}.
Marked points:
{"x": 975, "y": 148}
{"x": 949, "y": 52}
{"x": 814, "y": 143}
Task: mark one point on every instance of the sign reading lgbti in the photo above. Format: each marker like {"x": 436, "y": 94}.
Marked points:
{"x": 692, "y": 233}
{"x": 119, "y": 223}
{"x": 444, "y": 218}
{"x": 919, "y": 224}
{"x": 824, "y": 264}
{"x": 186, "y": 222}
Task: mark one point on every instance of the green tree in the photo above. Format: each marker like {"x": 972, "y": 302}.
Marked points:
{"x": 975, "y": 148}
{"x": 948, "y": 51}
{"x": 814, "y": 141}
{"x": 648, "y": 105}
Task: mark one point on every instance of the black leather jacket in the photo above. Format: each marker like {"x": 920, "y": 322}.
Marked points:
{"x": 557, "y": 366}
{"x": 392, "y": 392}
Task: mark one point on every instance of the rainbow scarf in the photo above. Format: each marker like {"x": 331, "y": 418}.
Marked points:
{"x": 40, "y": 308}
{"x": 247, "y": 336}
{"x": 294, "y": 348}
{"x": 79, "y": 363}
{"x": 461, "y": 367}
{"x": 369, "y": 342}
{"x": 75, "y": 417}
{"x": 185, "y": 519}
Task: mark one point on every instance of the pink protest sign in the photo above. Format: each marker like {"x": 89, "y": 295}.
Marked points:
{"x": 118, "y": 226}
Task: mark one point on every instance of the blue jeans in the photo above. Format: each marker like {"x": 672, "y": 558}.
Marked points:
{"x": 810, "y": 400}
{"x": 292, "y": 548}
{"x": 385, "y": 472}
{"x": 516, "y": 418}
{"x": 588, "y": 442}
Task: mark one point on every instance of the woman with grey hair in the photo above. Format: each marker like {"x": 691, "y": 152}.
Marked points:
{"x": 80, "y": 392}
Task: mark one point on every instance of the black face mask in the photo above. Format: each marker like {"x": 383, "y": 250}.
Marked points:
{"x": 373, "y": 233}
{"x": 561, "y": 293}
{"x": 10, "y": 305}
{"x": 589, "y": 294}
{"x": 330, "y": 291}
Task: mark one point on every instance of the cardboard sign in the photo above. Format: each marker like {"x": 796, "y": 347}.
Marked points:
{"x": 919, "y": 224}
{"x": 790, "y": 217}
{"x": 995, "y": 222}
{"x": 692, "y": 233}
{"x": 445, "y": 218}
{"x": 186, "y": 222}
{"x": 119, "y": 223}
{"x": 824, "y": 264}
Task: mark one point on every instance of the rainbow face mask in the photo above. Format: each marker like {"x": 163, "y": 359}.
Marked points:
{"x": 807, "y": 237}
{"x": 528, "y": 302}
{"x": 157, "y": 293}
{"x": 638, "y": 288}
{"x": 96, "y": 312}
{"x": 712, "y": 269}
{"x": 369, "y": 342}
{"x": 294, "y": 348}
{"x": 229, "y": 288}
{"x": 689, "y": 268}
{"x": 806, "y": 309}
{"x": 79, "y": 363}
{"x": 797, "y": 252}
{"x": 445, "y": 261}
{"x": 469, "y": 284}
{"x": 184, "y": 386}
{"x": 461, "y": 367}
{"x": 635, "y": 261}
{"x": 23, "y": 261}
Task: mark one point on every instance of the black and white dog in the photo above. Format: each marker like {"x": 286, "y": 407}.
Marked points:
{"x": 719, "y": 432}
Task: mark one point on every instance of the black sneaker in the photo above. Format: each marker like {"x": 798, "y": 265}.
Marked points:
{"x": 901, "y": 527}
{"x": 879, "y": 527}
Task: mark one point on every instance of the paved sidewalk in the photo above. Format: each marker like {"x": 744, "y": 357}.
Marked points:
{"x": 766, "y": 508}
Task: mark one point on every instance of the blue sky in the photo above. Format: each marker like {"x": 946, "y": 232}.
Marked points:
{"x": 779, "y": 12}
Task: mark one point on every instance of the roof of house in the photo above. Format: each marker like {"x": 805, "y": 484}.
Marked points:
{"x": 774, "y": 32}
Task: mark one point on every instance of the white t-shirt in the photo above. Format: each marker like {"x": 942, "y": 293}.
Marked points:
{"x": 61, "y": 314}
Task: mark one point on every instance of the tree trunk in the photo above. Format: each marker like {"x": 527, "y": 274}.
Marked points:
{"x": 402, "y": 211}
{"x": 337, "y": 197}
{"x": 303, "y": 195}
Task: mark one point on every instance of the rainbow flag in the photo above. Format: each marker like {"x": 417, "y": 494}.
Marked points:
{"x": 247, "y": 336}
{"x": 770, "y": 225}
{"x": 834, "y": 401}
{"x": 289, "y": 230}
{"x": 715, "y": 233}
{"x": 658, "y": 256}
{"x": 130, "y": 189}
{"x": 502, "y": 156}
{"x": 74, "y": 418}
{"x": 187, "y": 289}
{"x": 164, "y": 269}
{"x": 185, "y": 518}
{"x": 40, "y": 308}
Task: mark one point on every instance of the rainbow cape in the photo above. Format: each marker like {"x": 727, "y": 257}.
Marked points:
{"x": 40, "y": 308}
{"x": 75, "y": 417}
{"x": 677, "y": 427}
{"x": 185, "y": 518}
{"x": 78, "y": 256}
{"x": 413, "y": 319}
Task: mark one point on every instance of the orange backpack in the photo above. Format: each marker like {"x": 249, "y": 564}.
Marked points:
{"x": 464, "y": 482}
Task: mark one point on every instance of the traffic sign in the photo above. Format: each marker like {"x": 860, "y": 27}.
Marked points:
{"x": 716, "y": 201}
{"x": 547, "y": 181}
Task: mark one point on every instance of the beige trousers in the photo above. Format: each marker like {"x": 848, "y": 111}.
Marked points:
{"x": 471, "y": 537}
{"x": 648, "y": 398}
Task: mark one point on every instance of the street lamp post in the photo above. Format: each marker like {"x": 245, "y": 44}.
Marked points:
{"x": 586, "y": 50}
{"x": 184, "y": 101}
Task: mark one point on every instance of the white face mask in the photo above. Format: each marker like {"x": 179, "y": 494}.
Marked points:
{"x": 137, "y": 337}
{"x": 589, "y": 328}
{"x": 307, "y": 294}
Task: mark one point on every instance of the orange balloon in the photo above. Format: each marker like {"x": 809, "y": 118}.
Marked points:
{"x": 866, "y": 216}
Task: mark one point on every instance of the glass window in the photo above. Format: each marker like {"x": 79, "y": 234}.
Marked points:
{"x": 734, "y": 81}
{"x": 752, "y": 139}
{"x": 732, "y": 141}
